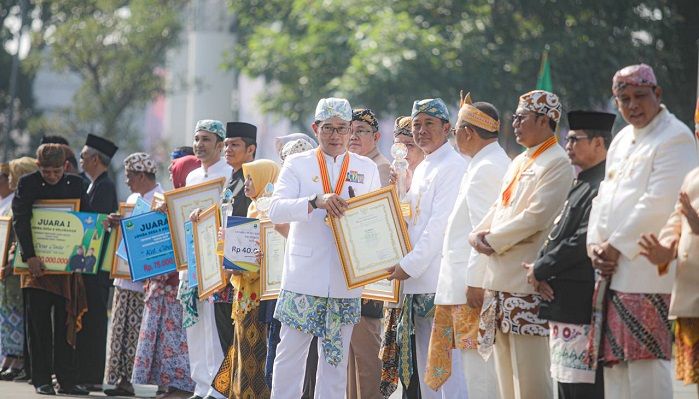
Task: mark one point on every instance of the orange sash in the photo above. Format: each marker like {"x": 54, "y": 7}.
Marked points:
{"x": 510, "y": 189}
{"x": 324, "y": 173}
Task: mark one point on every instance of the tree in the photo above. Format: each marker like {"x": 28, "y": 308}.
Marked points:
{"x": 386, "y": 54}
{"x": 116, "y": 47}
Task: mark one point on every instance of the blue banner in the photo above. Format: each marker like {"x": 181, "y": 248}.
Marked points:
{"x": 148, "y": 245}
{"x": 192, "y": 280}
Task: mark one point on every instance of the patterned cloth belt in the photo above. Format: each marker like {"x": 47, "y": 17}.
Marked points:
{"x": 188, "y": 297}
{"x": 320, "y": 316}
{"x": 413, "y": 304}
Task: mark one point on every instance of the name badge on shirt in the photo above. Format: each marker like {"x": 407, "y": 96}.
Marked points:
{"x": 355, "y": 177}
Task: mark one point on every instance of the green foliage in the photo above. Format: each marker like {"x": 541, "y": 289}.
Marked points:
{"x": 386, "y": 54}
{"x": 116, "y": 47}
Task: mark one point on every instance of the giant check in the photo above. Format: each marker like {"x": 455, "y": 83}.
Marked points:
{"x": 148, "y": 245}
{"x": 66, "y": 241}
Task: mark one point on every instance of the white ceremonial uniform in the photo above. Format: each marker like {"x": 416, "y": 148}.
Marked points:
{"x": 433, "y": 191}
{"x": 462, "y": 266}
{"x": 644, "y": 172}
{"x": 205, "y": 354}
{"x": 311, "y": 264}
{"x": 126, "y": 284}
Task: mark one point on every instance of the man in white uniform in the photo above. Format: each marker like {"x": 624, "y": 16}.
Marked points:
{"x": 432, "y": 194}
{"x": 315, "y": 300}
{"x": 460, "y": 288}
{"x": 646, "y": 164}
{"x": 205, "y": 354}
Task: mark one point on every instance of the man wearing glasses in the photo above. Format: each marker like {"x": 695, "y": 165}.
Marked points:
{"x": 314, "y": 299}
{"x": 364, "y": 363}
{"x": 532, "y": 195}
{"x": 563, "y": 272}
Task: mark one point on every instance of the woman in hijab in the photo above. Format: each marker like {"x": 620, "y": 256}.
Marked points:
{"x": 162, "y": 355}
{"x": 236, "y": 377}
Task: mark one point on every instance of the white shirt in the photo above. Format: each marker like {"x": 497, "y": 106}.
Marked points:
{"x": 462, "y": 266}
{"x": 311, "y": 262}
{"x": 201, "y": 175}
{"x": 126, "y": 284}
{"x": 6, "y": 204}
{"x": 644, "y": 172}
{"x": 433, "y": 191}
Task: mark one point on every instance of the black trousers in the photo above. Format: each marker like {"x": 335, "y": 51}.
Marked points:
{"x": 92, "y": 339}
{"x": 413, "y": 389}
{"x": 584, "y": 391}
{"x": 27, "y": 360}
{"x": 49, "y": 351}
{"x": 224, "y": 324}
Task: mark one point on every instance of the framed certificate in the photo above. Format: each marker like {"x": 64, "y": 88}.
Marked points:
{"x": 382, "y": 290}
{"x": 5, "y": 229}
{"x": 240, "y": 244}
{"x": 120, "y": 267}
{"x": 68, "y": 204}
{"x": 210, "y": 276}
{"x": 272, "y": 245}
{"x": 158, "y": 200}
{"x": 180, "y": 203}
{"x": 371, "y": 236}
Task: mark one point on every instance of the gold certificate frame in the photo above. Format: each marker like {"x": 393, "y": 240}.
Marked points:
{"x": 371, "y": 236}
{"x": 66, "y": 204}
{"x": 180, "y": 203}
{"x": 382, "y": 290}
{"x": 272, "y": 245}
{"x": 120, "y": 267}
{"x": 210, "y": 275}
{"x": 5, "y": 229}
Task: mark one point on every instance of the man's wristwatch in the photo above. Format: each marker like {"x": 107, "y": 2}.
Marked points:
{"x": 312, "y": 200}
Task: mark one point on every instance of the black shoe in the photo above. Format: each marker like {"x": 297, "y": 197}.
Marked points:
{"x": 74, "y": 390}
{"x": 10, "y": 374}
{"x": 92, "y": 387}
{"x": 195, "y": 397}
{"x": 22, "y": 377}
{"x": 45, "y": 390}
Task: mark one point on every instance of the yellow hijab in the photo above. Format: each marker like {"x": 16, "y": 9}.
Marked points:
{"x": 261, "y": 172}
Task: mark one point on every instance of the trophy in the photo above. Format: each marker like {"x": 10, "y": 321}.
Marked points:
{"x": 226, "y": 209}
{"x": 264, "y": 201}
{"x": 399, "y": 151}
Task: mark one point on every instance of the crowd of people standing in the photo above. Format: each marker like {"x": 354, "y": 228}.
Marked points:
{"x": 570, "y": 268}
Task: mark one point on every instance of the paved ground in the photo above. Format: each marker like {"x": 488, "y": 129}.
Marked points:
{"x": 14, "y": 390}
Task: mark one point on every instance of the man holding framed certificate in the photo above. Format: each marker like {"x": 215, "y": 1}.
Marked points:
{"x": 205, "y": 353}
{"x": 314, "y": 298}
{"x": 433, "y": 191}
{"x": 50, "y": 301}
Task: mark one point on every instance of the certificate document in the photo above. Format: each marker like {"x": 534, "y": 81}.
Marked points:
{"x": 148, "y": 245}
{"x": 209, "y": 263}
{"x": 382, "y": 290}
{"x": 240, "y": 243}
{"x": 66, "y": 241}
{"x": 371, "y": 236}
{"x": 180, "y": 204}
{"x": 272, "y": 245}
{"x": 191, "y": 255}
{"x": 120, "y": 265}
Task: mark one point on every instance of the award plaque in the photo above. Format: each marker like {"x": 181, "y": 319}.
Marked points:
{"x": 120, "y": 267}
{"x": 68, "y": 204}
{"x": 371, "y": 236}
{"x": 180, "y": 203}
{"x": 210, "y": 276}
{"x": 272, "y": 245}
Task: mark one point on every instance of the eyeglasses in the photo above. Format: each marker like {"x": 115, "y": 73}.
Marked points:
{"x": 575, "y": 139}
{"x": 328, "y": 130}
{"x": 517, "y": 118}
{"x": 362, "y": 132}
